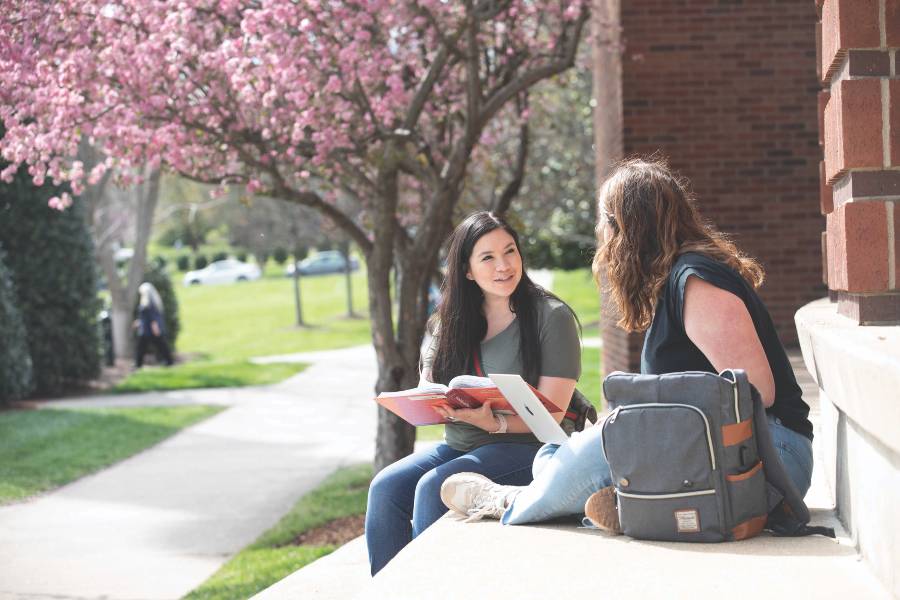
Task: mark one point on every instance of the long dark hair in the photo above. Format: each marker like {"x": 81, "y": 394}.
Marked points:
{"x": 654, "y": 219}
{"x": 459, "y": 324}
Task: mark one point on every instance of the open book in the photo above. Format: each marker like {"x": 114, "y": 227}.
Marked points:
{"x": 416, "y": 405}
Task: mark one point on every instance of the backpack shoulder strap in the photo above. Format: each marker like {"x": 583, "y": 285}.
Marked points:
{"x": 790, "y": 517}
{"x": 776, "y": 475}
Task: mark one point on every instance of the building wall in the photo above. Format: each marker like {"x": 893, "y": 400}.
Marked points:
{"x": 860, "y": 136}
{"x": 727, "y": 91}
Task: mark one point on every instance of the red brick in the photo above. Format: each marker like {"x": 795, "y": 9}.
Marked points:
{"x": 892, "y": 22}
{"x": 819, "y": 74}
{"x": 896, "y": 233}
{"x": 834, "y": 237}
{"x": 743, "y": 127}
{"x": 853, "y": 127}
{"x": 822, "y": 97}
{"x": 847, "y": 24}
{"x": 865, "y": 246}
{"x": 874, "y": 309}
{"x": 826, "y": 193}
{"x": 894, "y": 121}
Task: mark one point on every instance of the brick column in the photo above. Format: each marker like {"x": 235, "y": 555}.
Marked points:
{"x": 859, "y": 124}
{"x": 725, "y": 90}
{"x": 621, "y": 351}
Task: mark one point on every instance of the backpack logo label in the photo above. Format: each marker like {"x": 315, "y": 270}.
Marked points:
{"x": 687, "y": 520}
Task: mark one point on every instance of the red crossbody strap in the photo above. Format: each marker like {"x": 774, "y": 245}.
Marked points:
{"x": 476, "y": 360}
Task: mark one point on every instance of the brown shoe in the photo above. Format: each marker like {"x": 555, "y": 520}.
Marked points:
{"x": 600, "y": 508}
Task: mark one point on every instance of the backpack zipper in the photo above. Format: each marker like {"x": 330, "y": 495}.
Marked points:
{"x": 612, "y": 417}
{"x": 734, "y": 387}
{"x": 737, "y": 411}
{"x": 665, "y": 496}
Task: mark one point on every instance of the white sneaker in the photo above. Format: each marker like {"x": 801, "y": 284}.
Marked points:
{"x": 477, "y": 496}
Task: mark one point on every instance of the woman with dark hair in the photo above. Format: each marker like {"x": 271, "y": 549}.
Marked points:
{"x": 673, "y": 275}
{"x": 491, "y": 319}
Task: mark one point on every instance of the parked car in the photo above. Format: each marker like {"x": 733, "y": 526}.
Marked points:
{"x": 329, "y": 261}
{"x": 222, "y": 271}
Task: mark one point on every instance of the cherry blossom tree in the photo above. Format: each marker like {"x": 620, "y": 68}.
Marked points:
{"x": 383, "y": 100}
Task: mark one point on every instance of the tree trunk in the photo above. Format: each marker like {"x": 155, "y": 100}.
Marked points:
{"x": 104, "y": 201}
{"x": 395, "y": 438}
{"x": 123, "y": 340}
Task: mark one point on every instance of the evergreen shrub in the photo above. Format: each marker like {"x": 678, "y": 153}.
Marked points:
{"x": 51, "y": 256}
{"x": 15, "y": 360}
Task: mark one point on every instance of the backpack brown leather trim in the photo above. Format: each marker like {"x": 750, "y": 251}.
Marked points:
{"x": 749, "y": 528}
{"x": 737, "y": 433}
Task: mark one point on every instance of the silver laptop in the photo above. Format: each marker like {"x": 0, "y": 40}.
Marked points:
{"x": 527, "y": 405}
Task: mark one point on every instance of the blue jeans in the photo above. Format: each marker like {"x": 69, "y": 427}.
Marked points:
{"x": 405, "y": 497}
{"x": 565, "y": 476}
{"x": 795, "y": 451}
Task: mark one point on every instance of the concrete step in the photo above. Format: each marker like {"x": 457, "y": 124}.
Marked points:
{"x": 487, "y": 560}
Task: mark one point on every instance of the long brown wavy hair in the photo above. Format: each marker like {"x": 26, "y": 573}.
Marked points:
{"x": 653, "y": 219}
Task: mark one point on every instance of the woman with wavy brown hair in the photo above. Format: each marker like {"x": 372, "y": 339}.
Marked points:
{"x": 673, "y": 275}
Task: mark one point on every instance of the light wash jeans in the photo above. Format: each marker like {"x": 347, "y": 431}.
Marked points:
{"x": 565, "y": 476}
{"x": 405, "y": 497}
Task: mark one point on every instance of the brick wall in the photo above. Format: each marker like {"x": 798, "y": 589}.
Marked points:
{"x": 859, "y": 119}
{"x": 727, "y": 90}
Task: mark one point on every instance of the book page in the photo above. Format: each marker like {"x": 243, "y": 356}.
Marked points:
{"x": 470, "y": 381}
{"x": 429, "y": 389}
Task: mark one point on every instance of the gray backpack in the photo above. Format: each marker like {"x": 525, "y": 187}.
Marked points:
{"x": 692, "y": 459}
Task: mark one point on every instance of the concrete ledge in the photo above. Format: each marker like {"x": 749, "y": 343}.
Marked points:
{"x": 857, "y": 370}
{"x": 858, "y": 367}
{"x": 487, "y": 560}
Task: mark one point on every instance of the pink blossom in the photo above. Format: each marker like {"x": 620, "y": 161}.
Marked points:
{"x": 236, "y": 92}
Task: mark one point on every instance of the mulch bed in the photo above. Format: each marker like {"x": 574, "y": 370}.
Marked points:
{"x": 334, "y": 533}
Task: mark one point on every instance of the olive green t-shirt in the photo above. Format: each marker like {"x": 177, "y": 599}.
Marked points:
{"x": 560, "y": 357}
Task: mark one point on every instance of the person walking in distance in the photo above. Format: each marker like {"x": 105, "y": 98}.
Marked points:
{"x": 150, "y": 325}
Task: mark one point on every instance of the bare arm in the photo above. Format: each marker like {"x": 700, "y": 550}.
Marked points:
{"x": 718, "y": 323}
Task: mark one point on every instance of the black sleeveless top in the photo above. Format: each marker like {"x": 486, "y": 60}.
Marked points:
{"x": 668, "y": 349}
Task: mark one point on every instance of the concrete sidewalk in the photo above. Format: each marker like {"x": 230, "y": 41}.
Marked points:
{"x": 159, "y": 523}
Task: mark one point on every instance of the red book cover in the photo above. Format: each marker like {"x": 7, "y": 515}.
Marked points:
{"x": 416, "y": 405}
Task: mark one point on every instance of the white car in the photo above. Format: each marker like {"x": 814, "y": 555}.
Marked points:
{"x": 222, "y": 271}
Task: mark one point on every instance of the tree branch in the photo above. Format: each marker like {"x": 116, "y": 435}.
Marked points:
{"x": 434, "y": 72}
{"x": 313, "y": 200}
{"x": 571, "y": 36}
{"x": 473, "y": 78}
{"x": 512, "y": 188}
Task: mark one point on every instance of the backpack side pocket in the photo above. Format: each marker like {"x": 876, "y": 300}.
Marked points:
{"x": 747, "y": 492}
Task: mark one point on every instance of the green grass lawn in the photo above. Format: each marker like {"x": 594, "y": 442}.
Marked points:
{"x": 44, "y": 449}
{"x": 578, "y": 290}
{"x": 223, "y": 325}
{"x": 257, "y": 318}
{"x": 205, "y": 374}
{"x": 274, "y": 556}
